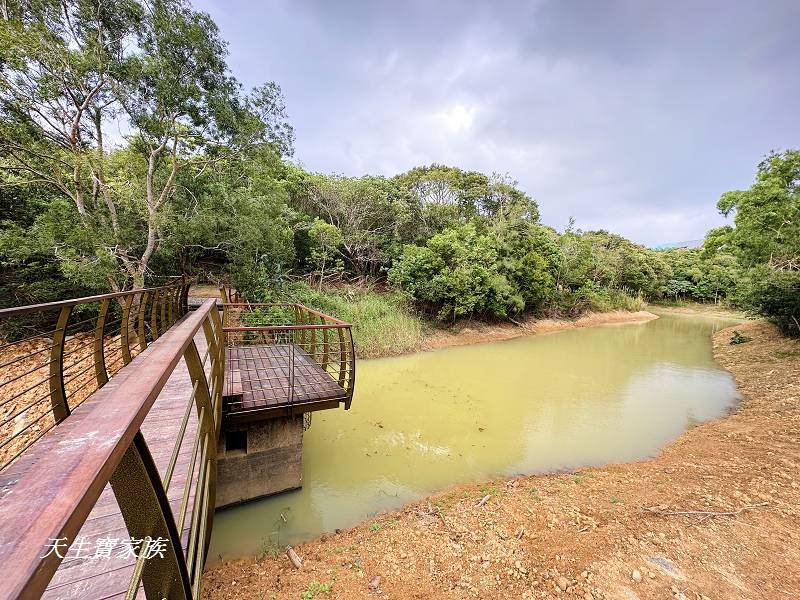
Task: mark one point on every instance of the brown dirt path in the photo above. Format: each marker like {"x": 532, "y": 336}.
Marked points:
{"x": 587, "y": 535}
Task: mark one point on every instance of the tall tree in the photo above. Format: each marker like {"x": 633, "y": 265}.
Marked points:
{"x": 154, "y": 70}
{"x": 766, "y": 238}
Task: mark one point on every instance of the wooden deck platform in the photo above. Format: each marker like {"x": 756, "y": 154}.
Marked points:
{"x": 88, "y": 576}
{"x": 267, "y": 381}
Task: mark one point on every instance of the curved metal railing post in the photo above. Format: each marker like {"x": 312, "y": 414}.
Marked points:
{"x": 217, "y": 333}
{"x": 58, "y": 394}
{"x": 171, "y": 312}
{"x": 142, "y": 321}
{"x": 154, "y": 314}
{"x": 124, "y": 332}
{"x": 100, "y": 371}
{"x": 147, "y": 514}
{"x": 163, "y": 298}
{"x": 325, "y": 345}
{"x": 352, "y": 370}
{"x": 185, "y": 297}
{"x": 205, "y": 401}
{"x": 342, "y": 357}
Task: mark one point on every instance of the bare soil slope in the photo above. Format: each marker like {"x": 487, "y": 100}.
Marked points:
{"x": 715, "y": 515}
{"x": 466, "y": 332}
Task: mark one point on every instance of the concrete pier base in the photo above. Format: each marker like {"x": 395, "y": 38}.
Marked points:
{"x": 259, "y": 459}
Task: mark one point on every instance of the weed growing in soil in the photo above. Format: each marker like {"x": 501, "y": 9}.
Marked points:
{"x": 316, "y": 588}
{"x": 492, "y": 491}
{"x": 269, "y": 548}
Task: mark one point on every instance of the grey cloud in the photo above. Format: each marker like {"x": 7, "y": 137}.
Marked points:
{"x": 632, "y": 116}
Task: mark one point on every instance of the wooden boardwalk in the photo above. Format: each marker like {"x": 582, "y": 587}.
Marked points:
{"x": 62, "y": 531}
{"x": 269, "y": 380}
{"x": 84, "y": 575}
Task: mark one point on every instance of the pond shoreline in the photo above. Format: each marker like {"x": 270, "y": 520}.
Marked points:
{"x": 713, "y": 515}
{"x": 479, "y": 333}
{"x": 466, "y": 333}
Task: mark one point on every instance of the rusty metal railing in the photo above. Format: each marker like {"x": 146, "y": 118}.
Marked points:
{"x": 72, "y": 348}
{"x": 302, "y": 343}
{"x": 61, "y": 478}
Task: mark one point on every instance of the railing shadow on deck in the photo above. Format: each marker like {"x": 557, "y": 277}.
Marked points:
{"x": 56, "y": 482}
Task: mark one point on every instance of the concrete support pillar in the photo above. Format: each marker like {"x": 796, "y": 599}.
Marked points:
{"x": 259, "y": 459}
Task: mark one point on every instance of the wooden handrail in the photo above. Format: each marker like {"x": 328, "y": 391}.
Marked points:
{"x": 73, "y": 462}
{"x": 287, "y": 305}
{"x": 31, "y": 308}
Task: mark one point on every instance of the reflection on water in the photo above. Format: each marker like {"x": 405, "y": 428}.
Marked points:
{"x": 425, "y": 422}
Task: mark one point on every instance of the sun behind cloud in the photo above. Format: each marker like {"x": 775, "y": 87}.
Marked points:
{"x": 458, "y": 118}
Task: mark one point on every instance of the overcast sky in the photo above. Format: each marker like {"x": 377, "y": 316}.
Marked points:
{"x": 631, "y": 116}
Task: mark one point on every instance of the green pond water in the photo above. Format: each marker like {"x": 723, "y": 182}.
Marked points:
{"x": 424, "y": 422}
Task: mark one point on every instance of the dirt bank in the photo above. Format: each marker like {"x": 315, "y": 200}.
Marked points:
{"x": 711, "y": 310}
{"x": 713, "y": 516}
{"x": 475, "y": 332}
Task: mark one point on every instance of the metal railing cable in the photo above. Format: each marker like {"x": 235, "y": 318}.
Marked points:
{"x": 82, "y": 343}
{"x": 100, "y": 443}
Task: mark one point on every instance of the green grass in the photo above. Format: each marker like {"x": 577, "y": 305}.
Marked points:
{"x": 315, "y": 588}
{"x": 492, "y": 491}
{"x": 383, "y": 322}
{"x": 269, "y": 548}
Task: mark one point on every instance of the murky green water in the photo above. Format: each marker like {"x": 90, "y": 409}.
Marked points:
{"x": 424, "y": 422}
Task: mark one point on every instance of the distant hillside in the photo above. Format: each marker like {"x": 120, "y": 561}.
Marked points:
{"x": 687, "y": 244}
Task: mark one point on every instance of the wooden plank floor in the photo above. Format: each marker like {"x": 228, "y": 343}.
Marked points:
{"x": 262, "y": 371}
{"x": 91, "y": 578}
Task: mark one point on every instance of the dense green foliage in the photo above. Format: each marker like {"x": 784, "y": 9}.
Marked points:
{"x": 700, "y": 277}
{"x": 201, "y": 184}
{"x": 73, "y": 70}
{"x": 765, "y": 240}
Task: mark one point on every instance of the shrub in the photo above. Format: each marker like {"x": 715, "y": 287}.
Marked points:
{"x": 776, "y": 296}
{"x": 461, "y": 272}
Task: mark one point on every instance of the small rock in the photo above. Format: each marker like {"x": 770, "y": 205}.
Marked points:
{"x": 563, "y": 583}
{"x": 636, "y": 576}
{"x": 374, "y": 582}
